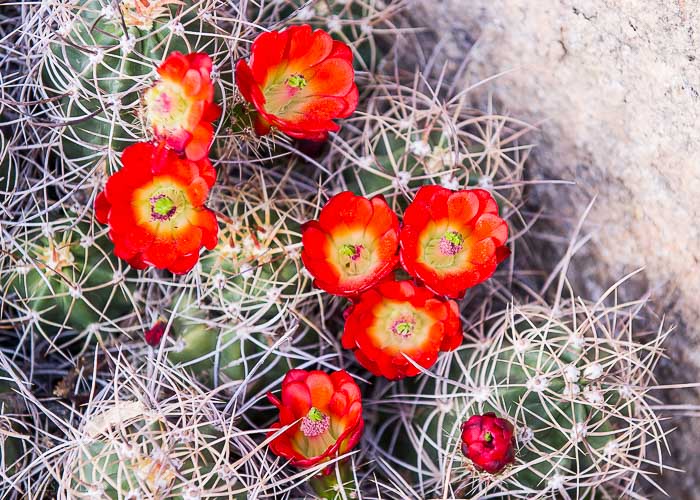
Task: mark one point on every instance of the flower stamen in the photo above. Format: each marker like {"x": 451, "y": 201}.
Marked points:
{"x": 296, "y": 81}
{"x": 403, "y": 327}
{"x": 451, "y": 243}
{"x": 352, "y": 251}
{"x": 315, "y": 423}
{"x": 162, "y": 207}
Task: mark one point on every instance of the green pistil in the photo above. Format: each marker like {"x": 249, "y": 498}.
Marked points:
{"x": 297, "y": 81}
{"x": 404, "y": 329}
{"x": 315, "y": 415}
{"x": 348, "y": 250}
{"x": 488, "y": 437}
{"x": 163, "y": 206}
{"x": 454, "y": 237}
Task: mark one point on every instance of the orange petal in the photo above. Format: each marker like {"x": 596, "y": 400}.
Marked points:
{"x": 198, "y": 147}
{"x": 321, "y": 388}
{"x": 307, "y": 48}
{"x": 297, "y": 397}
{"x": 332, "y": 77}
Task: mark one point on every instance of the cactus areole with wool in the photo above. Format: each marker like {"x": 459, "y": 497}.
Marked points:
{"x": 488, "y": 442}
{"x": 298, "y": 81}
{"x": 398, "y": 320}
{"x": 452, "y": 240}
{"x": 326, "y": 416}
{"x": 154, "y": 207}
{"x": 353, "y": 244}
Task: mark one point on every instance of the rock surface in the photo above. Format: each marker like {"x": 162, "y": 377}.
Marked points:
{"x": 614, "y": 86}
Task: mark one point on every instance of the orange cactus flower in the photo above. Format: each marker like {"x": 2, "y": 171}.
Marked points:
{"x": 154, "y": 207}
{"x": 353, "y": 245}
{"x": 299, "y": 81}
{"x": 326, "y": 416}
{"x": 397, "y": 320}
{"x": 179, "y": 107}
{"x": 452, "y": 240}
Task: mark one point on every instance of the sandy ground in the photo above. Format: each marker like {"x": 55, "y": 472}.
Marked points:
{"x": 615, "y": 89}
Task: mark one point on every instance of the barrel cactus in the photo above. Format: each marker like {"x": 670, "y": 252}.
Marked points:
{"x": 215, "y": 353}
{"x": 177, "y": 445}
{"x": 574, "y": 388}
{"x": 15, "y": 450}
{"x": 255, "y": 274}
{"x": 408, "y": 140}
{"x": 98, "y": 63}
{"x": 354, "y": 22}
{"x": 59, "y": 275}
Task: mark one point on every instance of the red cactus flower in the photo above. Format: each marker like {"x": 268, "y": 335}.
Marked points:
{"x": 488, "y": 442}
{"x": 452, "y": 240}
{"x": 396, "y": 320}
{"x": 299, "y": 81}
{"x": 155, "y": 208}
{"x": 353, "y": 244}
{"x": 180, "y": 107}
{"x": 326, "y": 416}
{"x": 154, "y": 334}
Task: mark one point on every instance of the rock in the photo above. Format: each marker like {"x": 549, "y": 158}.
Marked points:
{"x": 614, "y": 87}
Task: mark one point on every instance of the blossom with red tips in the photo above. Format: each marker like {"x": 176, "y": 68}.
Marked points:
{"x": 299, "y": 81}
{"x": 397, "y": 320}
{"x": 353, "y": 245}
{"x": 154, "y": 334}
{"x": 488, "y": 442}
{"x": 452, "y": 240}
{"x": 325, "y": 413}
{"x": 180, "y": 106}
{"x": 154, "y": 207}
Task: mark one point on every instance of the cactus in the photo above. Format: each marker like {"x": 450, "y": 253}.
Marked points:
{"x": 215, "y": 355}
{"x": 354, "y": 22}
{"x": 404, "y": 146}
{"x": 101, "y": 59}
{"x": 12, "y": 450}
{"x": 575, "y": 390}
{"x": 8, "y": 172}
{"x": 255, "y": 273}
{"x": 16, "y": 416}
{"x": 60, "y": 276}
{"x": 177, "y": 444}
{"x": 218, "y": 351}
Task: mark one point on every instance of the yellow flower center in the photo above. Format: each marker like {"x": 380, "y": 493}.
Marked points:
{"x": 315, "y": 423}
{"x": 403, "y": 326}
{"x": 354, "y": 259}
{"x": 296, "y": 81}
{"x": 167, "y": 106}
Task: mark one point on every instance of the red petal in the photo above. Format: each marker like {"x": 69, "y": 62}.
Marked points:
{"x": 161, "y": 253}
{"x": 491, "y": 226}
{"x": 174, "y": 67}
{"x": 307, "y": 48}
{"x": 462, "y": 206}
{"x": 321, "y": 388}
{"x": 341, "y": 50}
{"x": 192, "y": 82}
{"x": 102, "y": 207}
{"x": 297, "y": 397}
{"x": 247, "y": 86}
{"x": 184, "y": 263}
{"x": 332, "y": 77}
{"x": 314, "y": 242}
{"x": 200, "y": 61}
{"x": 267, "y": 54}
{"x": 202, "y": 137}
